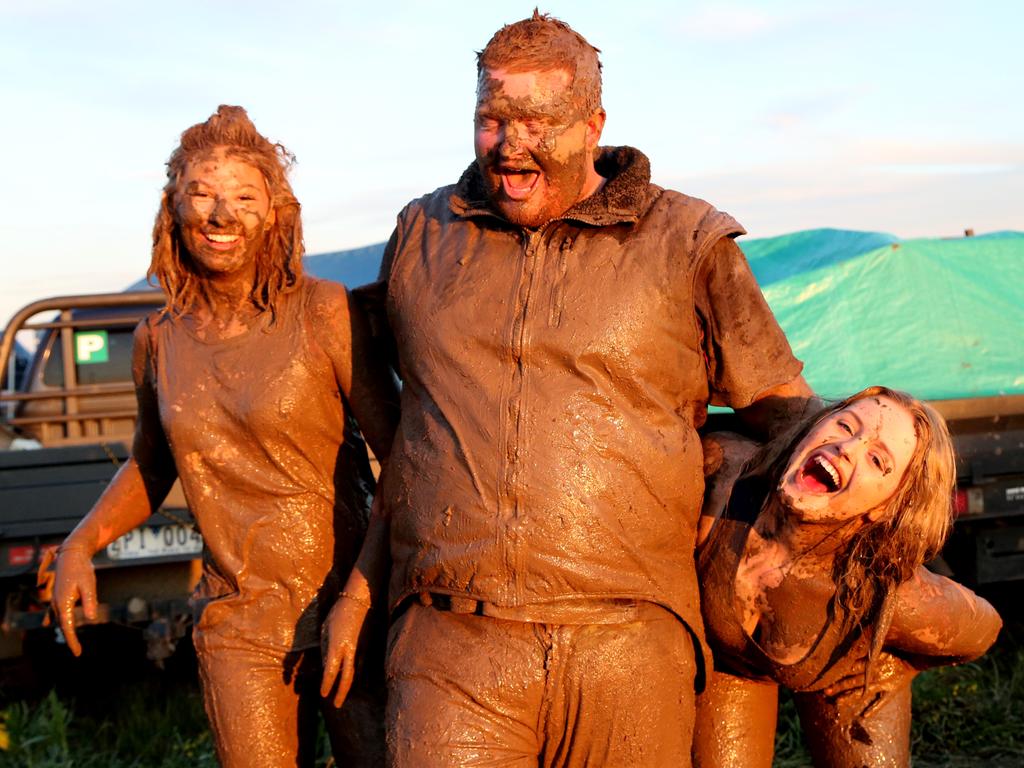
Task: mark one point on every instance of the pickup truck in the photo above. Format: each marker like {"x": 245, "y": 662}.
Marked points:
{"x": 67, "y": 417}
{"x": 987, "y": 544}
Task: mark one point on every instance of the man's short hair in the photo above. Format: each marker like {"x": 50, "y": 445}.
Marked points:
{"x": 543, "y": 43}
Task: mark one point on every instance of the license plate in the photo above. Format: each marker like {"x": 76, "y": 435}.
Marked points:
{"x": 156, "y": 541}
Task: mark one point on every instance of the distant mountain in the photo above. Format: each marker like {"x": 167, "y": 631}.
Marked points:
{"x": 354, "y": 267}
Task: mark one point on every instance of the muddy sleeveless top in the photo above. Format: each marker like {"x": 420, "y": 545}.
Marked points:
{"x": 273, "y": 471}
{"x": 833, "y": 652}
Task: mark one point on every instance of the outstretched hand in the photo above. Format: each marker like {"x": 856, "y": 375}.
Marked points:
{"x": 75, "y": 580}
{"x": 339, "y": 639}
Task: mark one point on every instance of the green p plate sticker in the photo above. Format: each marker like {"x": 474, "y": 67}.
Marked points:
{"x": 91, "y": 347}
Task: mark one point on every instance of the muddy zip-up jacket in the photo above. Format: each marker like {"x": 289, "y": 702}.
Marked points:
{"x": 553, "y": 380}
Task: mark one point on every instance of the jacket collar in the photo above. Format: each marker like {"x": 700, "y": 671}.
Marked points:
{"x": 623, "y": 199}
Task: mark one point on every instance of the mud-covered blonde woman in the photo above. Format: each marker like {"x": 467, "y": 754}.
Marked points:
{"x": 810, "y": 560}
{"x": 247, "y": 386}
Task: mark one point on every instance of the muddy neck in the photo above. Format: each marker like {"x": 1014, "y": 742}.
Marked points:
{"x": 816, "y": 542}
{"x": 223, "y": 306}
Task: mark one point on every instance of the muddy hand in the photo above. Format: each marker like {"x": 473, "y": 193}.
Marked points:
{"x": 75, "y": 580}
{"x": 339, "y": 639}
{"x": 890, "y": 671}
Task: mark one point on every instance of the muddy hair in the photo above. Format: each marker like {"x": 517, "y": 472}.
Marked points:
{"x": 543, "y": 43}
{"x": 279, "y": 262}
{"x": 916, "y": 519}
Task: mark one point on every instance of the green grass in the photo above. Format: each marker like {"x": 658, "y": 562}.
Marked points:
{"x": 976, "y": 710}
{"x": 141, "y": 730}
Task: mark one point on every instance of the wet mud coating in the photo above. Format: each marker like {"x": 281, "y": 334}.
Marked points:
{"x": 773, "y": 620}
{"x": 838, "y": 737}
{"x": 532, "y": 145}
{"x": 553, "y": 382}
{"x": 270, "y": 468}
{"x": 553, "y": 379}
{"x": 223, "y": 209}
{"x": 513, "y": 693}
{"x": 278, "y": 481}
{"x": 263, "y": 709}
{"x": 246, "y": 390}
{"x": 736, "y": 722}
{"x": 850, "y": 463}
{"x": 559, "y": 325}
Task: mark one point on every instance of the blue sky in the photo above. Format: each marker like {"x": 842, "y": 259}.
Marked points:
{"x": 903, "y": 117}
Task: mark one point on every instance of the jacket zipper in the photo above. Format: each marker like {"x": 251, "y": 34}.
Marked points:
{"x": 519, "y": 342}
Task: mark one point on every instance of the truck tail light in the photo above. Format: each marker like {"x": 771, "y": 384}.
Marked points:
{"x": 27, "y": 554}
{"x": 968, "y": 501}
{"x": 960, "y": 502}
{"x": 21, "y": 555}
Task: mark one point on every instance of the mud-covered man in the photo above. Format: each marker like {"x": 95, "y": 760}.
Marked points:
{"x": 561, "y": 325}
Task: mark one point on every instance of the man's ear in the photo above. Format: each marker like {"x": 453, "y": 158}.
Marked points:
{"x": 595, "y": 125}
{"x": 271, "y": 219}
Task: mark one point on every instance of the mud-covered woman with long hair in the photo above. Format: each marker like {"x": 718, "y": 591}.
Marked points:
{"x": 247, "y": 385}
{"x": 810, "y": 559}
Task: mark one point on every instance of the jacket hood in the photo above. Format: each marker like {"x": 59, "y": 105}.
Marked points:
{"x": 624, "y": 198}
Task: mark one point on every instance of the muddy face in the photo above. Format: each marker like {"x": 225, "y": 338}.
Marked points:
{"x": 222, "y": 209}
{"x": 851, "y": 463}
{"x": 534, "y": 147}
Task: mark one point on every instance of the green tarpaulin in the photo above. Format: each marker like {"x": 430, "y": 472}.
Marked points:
{"x": 938, "y": 318}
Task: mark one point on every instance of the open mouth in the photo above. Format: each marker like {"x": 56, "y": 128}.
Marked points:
{"x": 819, "y": 475}
{"x": 221, "y": 240}
{"x": 518, "y": 184}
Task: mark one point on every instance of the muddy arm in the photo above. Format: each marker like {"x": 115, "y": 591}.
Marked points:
{"x": 777, "y": 409}
{"x": 366, "y": 588}
{"x": 375, "y": 401}
{"x": 136, "y": 492}
{"x": 749, "y": 363}
{"x": 374, "y": 393}
{"x": 725, "y": 454}
{"x": 937, "y": 621}
{"x": 363, "y": 376}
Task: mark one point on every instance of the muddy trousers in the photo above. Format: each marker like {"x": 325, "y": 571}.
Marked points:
{"x": 736, "y": 720}
{"x": 468, "y": 690}
{"x": 838, "y": 738}
{"x": 263, "y": 707}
